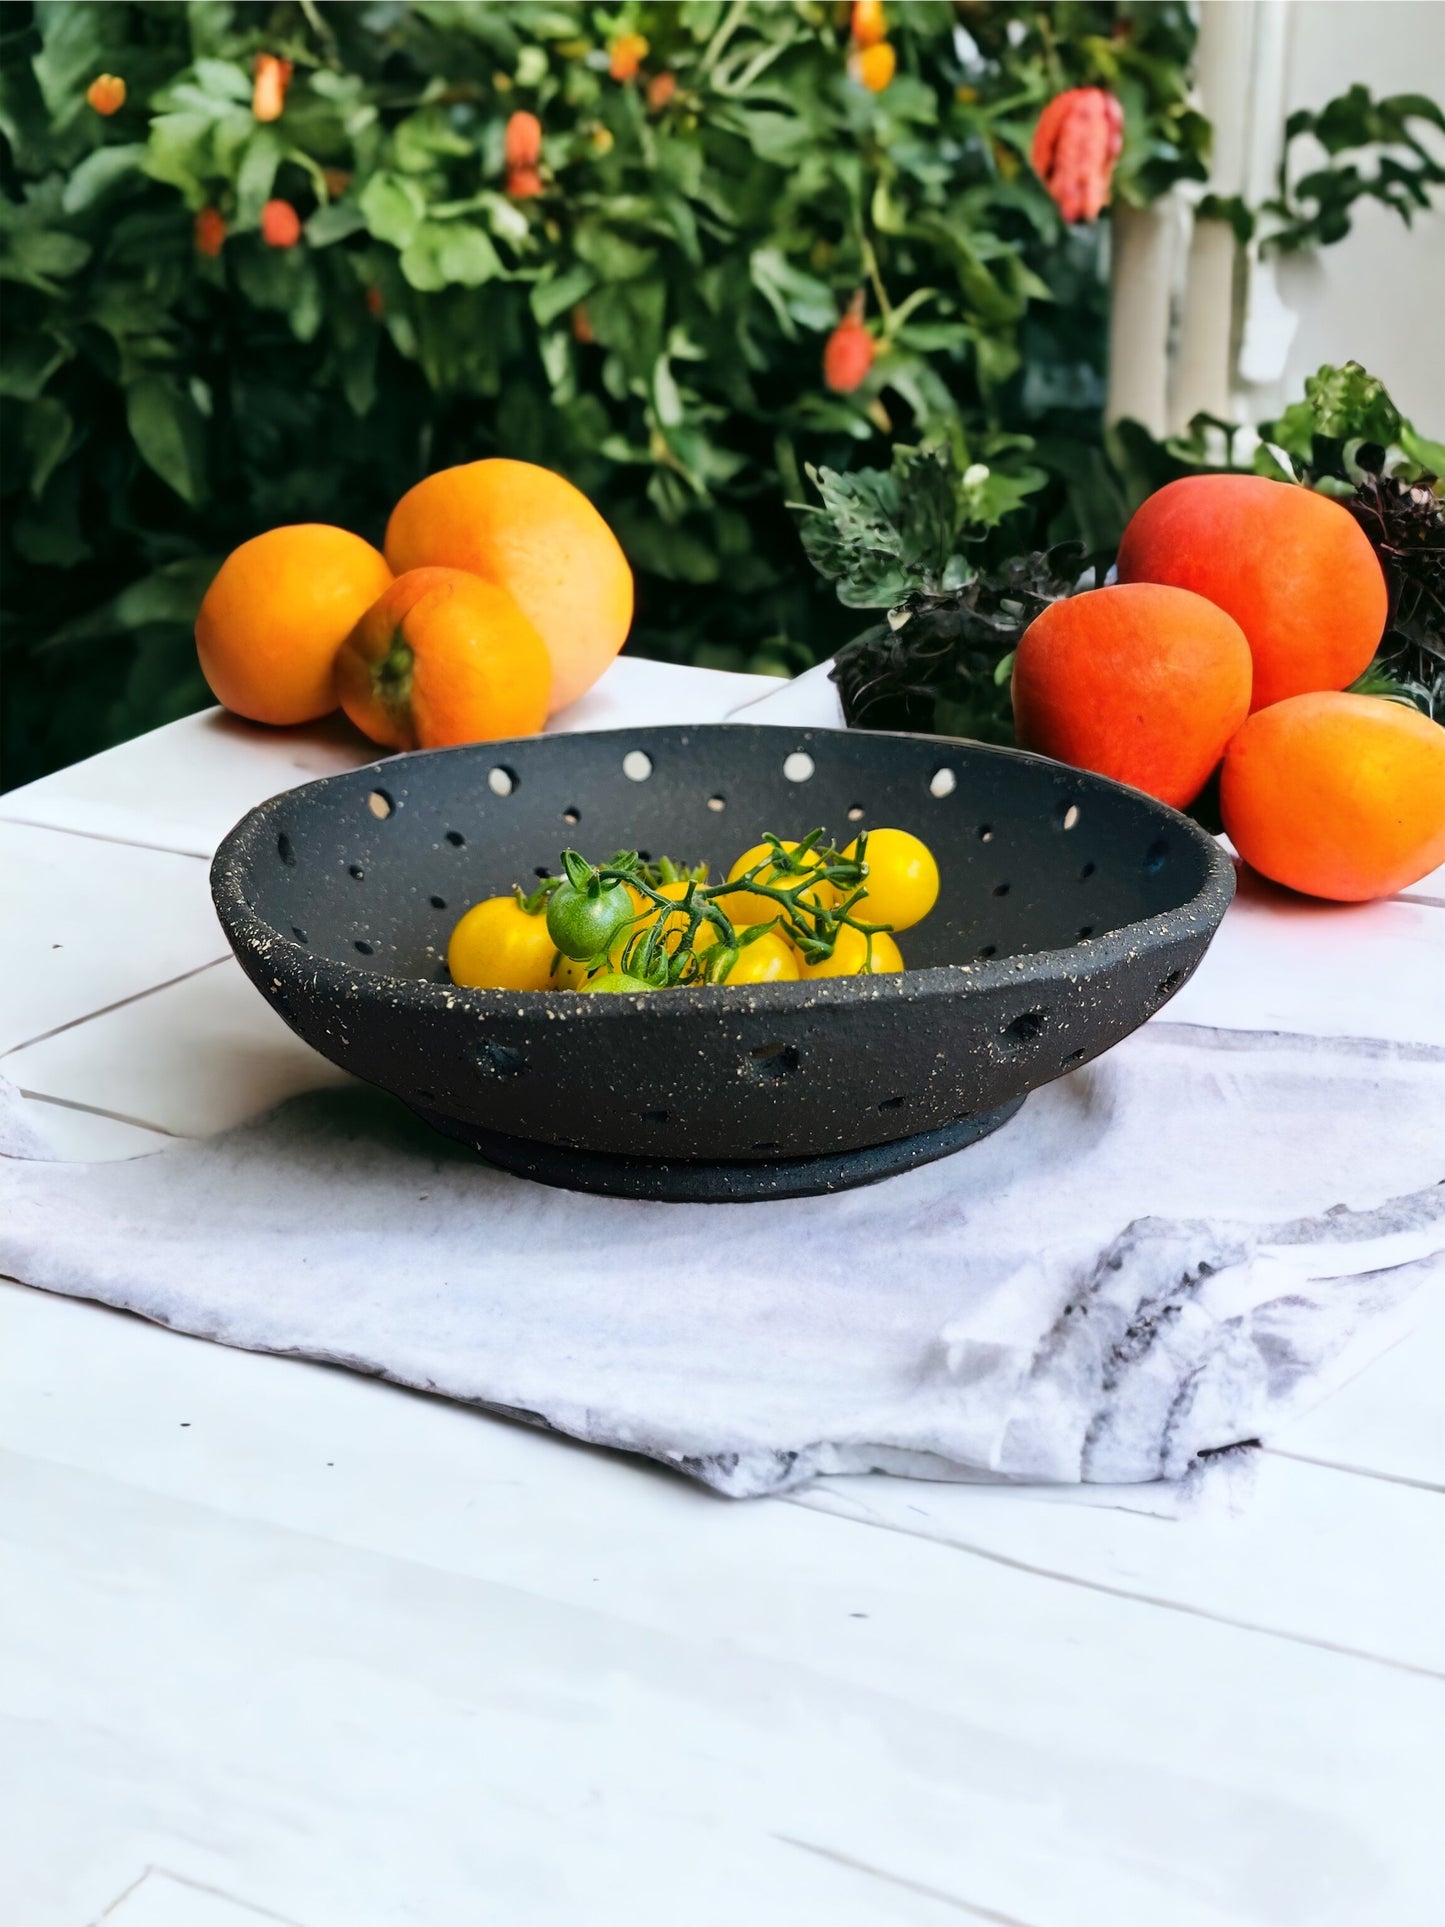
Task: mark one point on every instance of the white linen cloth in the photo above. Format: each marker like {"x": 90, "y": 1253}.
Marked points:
{"x": 1163, "y": 1255}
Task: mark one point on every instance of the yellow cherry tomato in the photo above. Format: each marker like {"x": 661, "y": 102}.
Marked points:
{"x": 902, "y": 879}
{"x": 745, "y": 907}
{"x": 497, "y": 946}
{"x": 769, "y": 959}
{"x": 850, "y": 956}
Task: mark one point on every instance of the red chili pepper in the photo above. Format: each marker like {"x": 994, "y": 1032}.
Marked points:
{"x": 280, "y": 225}
{"x": 849, "y": 352}
{"x": 273, "y": 77}
{"x": 628, "y": 51}
{"x": 106, "y": 94}
{"x": 523, "y": 146}
{"x": 210, "y": 232}
{"x": 1078, "y": 139}
{"x": 660, "y": 90}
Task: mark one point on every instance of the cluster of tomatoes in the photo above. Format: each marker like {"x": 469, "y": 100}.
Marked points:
{"x": 788, "y": 912}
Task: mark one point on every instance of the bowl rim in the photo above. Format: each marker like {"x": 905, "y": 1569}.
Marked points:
{"x": 1198, "y": 915}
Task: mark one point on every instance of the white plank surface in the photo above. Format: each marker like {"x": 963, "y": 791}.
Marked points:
{"x": 588, "y": 1692}
{"x": 184, "y": 786}
{"x": 88, "y": 924}
{"x": 336, "y": 1654}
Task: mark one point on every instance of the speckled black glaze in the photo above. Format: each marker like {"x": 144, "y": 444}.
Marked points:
{"x": 1071, "y": 909}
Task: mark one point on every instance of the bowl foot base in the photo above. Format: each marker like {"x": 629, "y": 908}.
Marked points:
{"x": 741, "y": 1181}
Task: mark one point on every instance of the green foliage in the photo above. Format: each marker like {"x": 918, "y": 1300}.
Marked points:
{"x": 652, "y": 324}
{"x": 1316, "y": 209}
{"x": 159, "y": 406}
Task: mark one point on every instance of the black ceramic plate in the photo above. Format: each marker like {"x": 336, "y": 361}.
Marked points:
{"x": 1071, "y": 908}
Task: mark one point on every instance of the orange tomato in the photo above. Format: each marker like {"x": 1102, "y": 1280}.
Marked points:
{"x": 443, "y": 657}
{"x": 530, "y": 533}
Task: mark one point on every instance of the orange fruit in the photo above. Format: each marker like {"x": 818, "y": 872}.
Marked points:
{"x": 531, "y": 533}
{"x": 1339, "y": 796}
{"x": 443, "y": 657}
{"x": 1142, "y": 683}
{"x": 1294, "y": 569}
{"x": 272, "y": 620}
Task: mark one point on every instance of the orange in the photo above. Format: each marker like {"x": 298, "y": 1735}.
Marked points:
{"x": 1294, "y": 569}
{"x": 531, "y": 533}
{"x": 272, "y": 621}
{"x": 443, "y": 657}
{"x": 1142, "y": 683}
{"x": 1339, "y": 796}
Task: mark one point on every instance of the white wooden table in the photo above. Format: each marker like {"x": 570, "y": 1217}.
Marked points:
{"x": 283, "y": 1643}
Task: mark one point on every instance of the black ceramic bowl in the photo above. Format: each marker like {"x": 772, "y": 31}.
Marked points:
{"x": 1070, "y": 910}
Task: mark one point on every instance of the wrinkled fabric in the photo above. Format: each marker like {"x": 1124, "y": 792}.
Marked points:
{"x": 1167, "y": 1253}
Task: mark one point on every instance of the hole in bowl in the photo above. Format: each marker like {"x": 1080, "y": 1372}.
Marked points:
{"x": 541, "y": 871}
{"x": 1087, "y": 871}
{"x": 891, "y": 1104}
{"x": 572, "y": 814}
{"x": 380, "y": 803}
{"x": 773, "y": 1060}
{"x": 1086, "y": 930}
{"x": 1076, "y": 1056}
{"x": 1171, "y": 983}
{"x": 364, "y": 947}
{"x": 653, "y": 1117}
{"x": 1002, "y": 889}
{"x": 985, "y": 833}
{"x": 501, "y": 781}
{"x": 1156, "y": 856}
{"x": 717, "y": 802}
{"x": 943, "y": 782}
{"x": 437, "y": 903}
{"x": 637, "y": 766}
{"x": 1025, "y": 1029}
{"x": 1067, "y": 815}
{"x": 799, "y": 767}
{"x": 298, "y": 933}
{"x": 355, "y": 870}
{"x": 285, "y": 851}
{"x": 988, "y": 950}
{"x": 456, "y": 839}
{"x": 766, "y": 1144}
{"x": 426, "y": 1097}
{"x": 502, "y": 1060}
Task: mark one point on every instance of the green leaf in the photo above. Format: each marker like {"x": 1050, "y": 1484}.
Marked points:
{"x": 613, "y": 257}
{"x": 45, "y": 436}
{"x": 422, "y": 139}
{"x": 443, "y": 253}
{"x": 259, "y": 162}
{"x": 559, "y": 294}
{"x": 394, "y": 208}
{"x": 101, "y": 170}
{"x": 38, "y": 257}
{"x": 337, "y": 221}
{"x": 167, "y": 428}
{"x": 28, "y": 363}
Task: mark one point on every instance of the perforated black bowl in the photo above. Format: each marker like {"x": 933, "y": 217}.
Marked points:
{"x": 1070, "y": 910}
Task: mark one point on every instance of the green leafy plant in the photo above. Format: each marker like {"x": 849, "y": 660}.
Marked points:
{"x": 1354, "y": 130}
{"x": 650, "y": 321}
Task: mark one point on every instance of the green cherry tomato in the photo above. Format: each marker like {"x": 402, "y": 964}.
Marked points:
{"x": 613, "y": 982}
{"x": 582, "y": 925}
